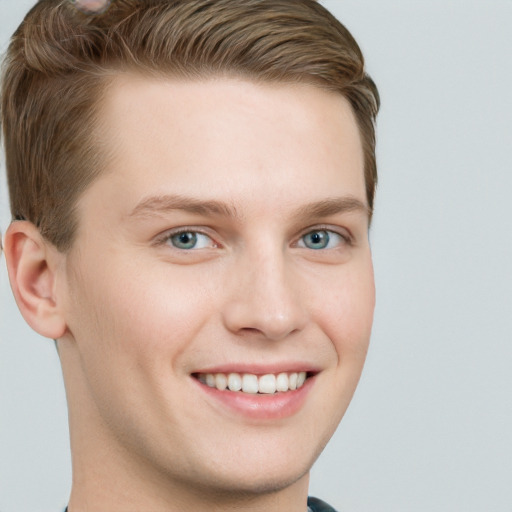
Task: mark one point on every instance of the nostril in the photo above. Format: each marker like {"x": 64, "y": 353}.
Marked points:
{"x": 250, "y": 330}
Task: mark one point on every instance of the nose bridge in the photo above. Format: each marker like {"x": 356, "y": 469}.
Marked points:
{"x": 264, "y": 295}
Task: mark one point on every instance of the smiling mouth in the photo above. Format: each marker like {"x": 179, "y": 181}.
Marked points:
{"x": 253, "y": 384}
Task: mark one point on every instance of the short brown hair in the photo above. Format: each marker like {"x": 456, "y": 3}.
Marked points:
{"x": 60, "y": 60}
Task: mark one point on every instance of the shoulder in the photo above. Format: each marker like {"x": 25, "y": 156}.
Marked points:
{"x": 317, "y": 505}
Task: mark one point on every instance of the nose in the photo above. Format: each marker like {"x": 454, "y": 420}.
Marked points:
{"x": 264, "y": 297}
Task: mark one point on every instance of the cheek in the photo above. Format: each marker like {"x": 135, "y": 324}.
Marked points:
{"x": 142, "y": 315}
{"x": 346, "y": 311}
{"x": 130, "y": 329}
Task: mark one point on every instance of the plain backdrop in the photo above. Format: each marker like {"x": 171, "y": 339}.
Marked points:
{"x": 430, "y": 426}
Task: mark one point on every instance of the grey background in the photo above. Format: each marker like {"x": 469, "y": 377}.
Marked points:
{"x": 430, "y": 426}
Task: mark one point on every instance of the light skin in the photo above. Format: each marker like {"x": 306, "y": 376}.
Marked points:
{"x": 92, "y": 6}
{"x": 268, "y": 179}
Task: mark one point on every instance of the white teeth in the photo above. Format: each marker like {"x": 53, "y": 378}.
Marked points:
{"x": 252, "y": 384}
{"x": 221, "y": 381}
{"x": 282, "y": 382}
{"x": 234, "y": 382}
{"x": 249, "y": 383}
{"x": 267, "y": 384}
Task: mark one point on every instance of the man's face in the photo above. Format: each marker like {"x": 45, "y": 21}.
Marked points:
{"x": 227, "y": 240}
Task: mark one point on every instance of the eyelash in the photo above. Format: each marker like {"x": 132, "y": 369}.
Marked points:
{"x": 345, "y": 236}
{"x": 166, "y": 238}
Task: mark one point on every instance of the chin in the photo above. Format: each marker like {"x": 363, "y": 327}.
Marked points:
{"x": 252, "y": 485}
{"x": 252, "y": 477}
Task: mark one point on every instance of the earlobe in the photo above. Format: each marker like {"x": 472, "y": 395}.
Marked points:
{"x": 32, "y": 264}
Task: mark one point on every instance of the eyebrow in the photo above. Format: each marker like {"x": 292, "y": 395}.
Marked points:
{"x": 165, "y": 204}
{"x": 158, "y": 205}
{"x": 333, "y": 206}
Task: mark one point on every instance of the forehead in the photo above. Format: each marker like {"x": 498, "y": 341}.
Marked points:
{"x": 222, "y": 138}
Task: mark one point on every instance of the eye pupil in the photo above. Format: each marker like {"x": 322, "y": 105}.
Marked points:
{"x": 185, "y": 240}
{"x": 317, "y": 240}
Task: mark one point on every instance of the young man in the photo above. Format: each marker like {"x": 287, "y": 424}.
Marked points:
{"x": 191, "y": 185}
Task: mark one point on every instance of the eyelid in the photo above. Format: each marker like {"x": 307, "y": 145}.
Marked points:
{"x": 338, "y": 230}
{"x": 164, "y": 237}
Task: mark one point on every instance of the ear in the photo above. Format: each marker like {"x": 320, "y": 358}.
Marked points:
{"x": 33, "y": 264}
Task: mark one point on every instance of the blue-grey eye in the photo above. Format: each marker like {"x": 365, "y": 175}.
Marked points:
{"x": 320, "y": 239}
{"x": 188, "y": 240}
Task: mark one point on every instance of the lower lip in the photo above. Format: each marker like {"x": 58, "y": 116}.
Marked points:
{"x": 260, "y": 406}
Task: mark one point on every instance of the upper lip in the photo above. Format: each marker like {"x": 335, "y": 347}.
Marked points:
{"x": 260, "y": 369}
